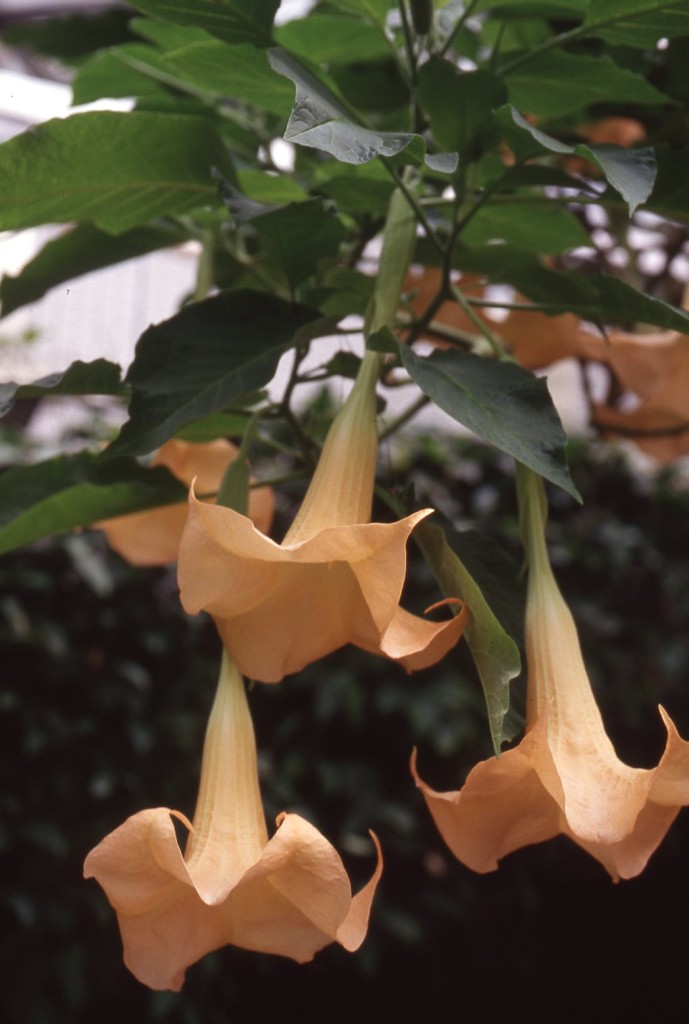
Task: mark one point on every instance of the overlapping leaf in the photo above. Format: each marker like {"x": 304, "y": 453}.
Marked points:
{"x": 74, "y": 490}
{"x": 114, "y": 170}
{"x": 501, "y": 403}
{"x": 198, "y": 361}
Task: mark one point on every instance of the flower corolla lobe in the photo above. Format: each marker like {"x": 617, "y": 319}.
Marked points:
{"x": 288, "y": 895}
{"x": 564, "y": 777}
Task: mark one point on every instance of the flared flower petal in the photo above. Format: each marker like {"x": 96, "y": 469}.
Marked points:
{"x": 564, "y": 777}
{"x": 289, "y": 895}
{"x": 152, "y": 537}
{"x": 336, "y": 578}
{"x": 289, "y": 605}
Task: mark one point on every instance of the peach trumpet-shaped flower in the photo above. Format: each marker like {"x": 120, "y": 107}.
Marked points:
{"x": 152, "y": 537}
{"x": 564, "y": 777}
{"x": 289, "y": 895}
{"x": 336, "y": 578}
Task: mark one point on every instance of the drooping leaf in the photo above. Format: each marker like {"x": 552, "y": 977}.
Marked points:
{"x": 495, "y": 653}
{"x": 320, "y": 121}
{"x": 631, "y": 172}
{"x": 111, "y": 169}
{"x": 80, "y": 251}
{"x": 198, "y": 361}
{"x": 235, "y": 21}
{"x": 99, "y": 377}
{"x": 502, "y": 403}
{"x": 70, "y": 491}
{"x": 599, "y": 298}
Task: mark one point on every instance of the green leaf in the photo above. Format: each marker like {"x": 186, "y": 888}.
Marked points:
{"x": 235, "y": 21}
{"x": 598, "y": 298}
{"x": 99, "y": 377}
{"x": 636, "y": 22}
{"x": 671, "y": 193}
{"x": 71, "y": 38}
{"x": 239, "y": 72}
{"x": 556, "y": 83}
{"x": 80, "y": 251}
{"x": 320, "y": 121}
{"x": 114, "y": 170}
{"x": 198, "y": 361}
{"x": 298, "y": 236}
{"x": 106, "y": 74}
{"x": 358, "y": 194}
{"x": 460, "y": 104}
{"x": 501, "y": 402}
{"x": 631, "y": 172}
{"x": 272, "y": 189}
{"x": 495, "y": 653}
{"x": 333, "y": 39}
{"x": 553, "y": 230}
{"x": 74, "y": 490}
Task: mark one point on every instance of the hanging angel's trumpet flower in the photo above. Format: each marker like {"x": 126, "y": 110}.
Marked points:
{"x": 564, "y": 777}
{"x": 288, "y": 895}
{"x": 152, "y": 537}
{"x": 336, "y": 578}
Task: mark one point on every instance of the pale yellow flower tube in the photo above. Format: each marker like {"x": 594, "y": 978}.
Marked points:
{"x": 564, "y": 777}
{"x": 336, "y": 578}
{"x": 288, "y": 895}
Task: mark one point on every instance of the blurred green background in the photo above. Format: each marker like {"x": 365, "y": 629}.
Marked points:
{"x": 104, "y": 692}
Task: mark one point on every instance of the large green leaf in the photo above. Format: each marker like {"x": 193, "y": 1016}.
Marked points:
{"x": 333, "y": 38}
{"x": 553, "y": 231}
{"x": 99, "y": 377}
{"x": 114, "y": 170}
{"x": 239, "y": 72}
{"x": 74, "y": 490}
{"x": 631, "y": 172}
{"x": 235, "y": 21}
{"x": 637, "y": 22}
{"x": 201, "y": 359}
{"x": 459, "y": 104}
{"x": 106, "y": 74}
{"x": 598, "y": 298}
{"x": 501, "y": 402}
{"x": 495, "y": 653}
{"x": 556, "y": 83}
{"x": 297, "y": 236}
{"x": 80, "y": 251}
{"x": 320, "y": 121}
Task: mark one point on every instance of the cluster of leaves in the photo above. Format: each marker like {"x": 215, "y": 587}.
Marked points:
{"x": 468, "y": 112}
{"x": 103, "y": 702}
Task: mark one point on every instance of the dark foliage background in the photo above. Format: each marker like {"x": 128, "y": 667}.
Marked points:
{"x": 104, "y": 691}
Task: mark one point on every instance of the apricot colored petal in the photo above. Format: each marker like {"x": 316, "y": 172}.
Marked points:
{"x": 501, "y": 807}
{"x": 670, "y": 786}
{"x": 417, "y": 643}
{"x": 628, "y": 857}
{"x": 307, "y": 870}
{"x": 352, "y": 931}
{"x": 147, "y": 538}
{"x": 290, "y": 605}
{"x": 164, "y": 925}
